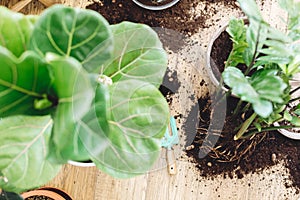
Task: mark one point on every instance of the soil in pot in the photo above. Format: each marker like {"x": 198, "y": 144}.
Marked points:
{"x": 46, "y": 193}
{"x": 155, "y": 2}
{"x": 220, "y": 51}
{"x": 39, "y": 198}
{"x": 236, "y": 158}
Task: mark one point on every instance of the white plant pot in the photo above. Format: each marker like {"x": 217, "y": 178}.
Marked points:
{"x": 209, "y": 61}
{"x": 295, "y": 82}
{"x": 81, "y": 164}
{"x": 287, "y": 133}
{"x": 158, "y": 7}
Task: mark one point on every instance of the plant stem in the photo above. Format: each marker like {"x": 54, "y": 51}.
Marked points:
{"x": 237, "y": 108}
{"x": 294, "y": 90}
{"x": 245, "y": 126}
{"x": 246, "y": 107}
{"x": 295, "y": 99}
{"x": 265, "y": 129}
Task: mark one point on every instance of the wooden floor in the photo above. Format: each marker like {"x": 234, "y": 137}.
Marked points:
{"x": 91, "y": 184}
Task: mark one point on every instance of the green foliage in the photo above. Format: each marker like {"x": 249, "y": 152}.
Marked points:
{"x": 135, "y": 129}
{"x": 140, "y": 56}
{"x": 237, "y": 31}
{"x": 23, "y": 155}
{"x": 270, "y": 59}
{"x": 262, "y": 89}
{"x": 22, "y": 81}
{"x": 55, "y": 106}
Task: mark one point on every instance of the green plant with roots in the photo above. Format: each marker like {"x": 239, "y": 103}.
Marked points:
{"x": 271, "y": 58}
{"x": 73, "y": 87}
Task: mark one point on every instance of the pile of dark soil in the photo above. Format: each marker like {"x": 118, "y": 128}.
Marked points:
{"x": 179, "y": 21}
{"x": 230, "y": 158}
{"x": 179, "y": 17}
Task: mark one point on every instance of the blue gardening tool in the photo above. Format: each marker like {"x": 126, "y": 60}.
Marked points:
{"x": 169, "y": 140}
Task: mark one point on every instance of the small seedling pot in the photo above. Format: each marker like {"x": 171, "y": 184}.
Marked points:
{"x": 49, "y": 192}
{"x": 155, "y": 4}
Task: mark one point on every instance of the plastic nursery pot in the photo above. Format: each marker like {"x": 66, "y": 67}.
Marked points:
{"x": 81, "y": 164}
{"x": 47, "y": 193}
{"x": 213, "y": 67}
{"x": 155, "y": 4}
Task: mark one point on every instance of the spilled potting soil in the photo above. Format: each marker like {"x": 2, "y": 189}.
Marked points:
{"x": 181, "y": 18}
{"x": 236, "y": 158}
{"x": 265, "y": 151}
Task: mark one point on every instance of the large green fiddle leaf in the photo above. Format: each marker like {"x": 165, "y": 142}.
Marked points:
{"x": 138, "y": 54}
{"x": 137, "y": 115}
{"x": 22, "y": 81}
{"x": 262, "y": 90}
{"x": 73, "y": 89}
{"x": 79, "y": 33}
{"x": 23, "y": 151}
{"x": 15, "y": 30}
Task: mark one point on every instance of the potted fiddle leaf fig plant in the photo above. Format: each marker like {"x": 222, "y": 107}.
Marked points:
{"x": 75, "y": 88}
{"x": 259, "y": 69}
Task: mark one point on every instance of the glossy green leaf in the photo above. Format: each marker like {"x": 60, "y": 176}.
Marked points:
{"x": 232, "y": 76}
{"x": 268, "y": 85}
{"x": 138, "y": 116}
{"x": 15, "y": 30}
{"x": 82, "y": 34}
{"x": 287, "y": 116}
{"x": 297, "y": 112}
{"x": 92, "y": 127}
{"x": 22, "y": 81}
{"x": 256, "y": 36}
{"x": 23, "y": 150}
{"x": 261, "y": 90}
{"x": 138, "y": 54}
{"x": 296, "y": 121}
{"x": 73, "y": 88}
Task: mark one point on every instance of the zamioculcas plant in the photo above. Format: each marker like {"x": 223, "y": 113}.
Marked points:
{"x": 270, "y": 59}
{"x": 73, "y": 87}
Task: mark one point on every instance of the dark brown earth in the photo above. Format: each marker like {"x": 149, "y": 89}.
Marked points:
{"x": 243, "y": 156}
{"x": 39, "y": 198}
{"x": 177, "y": 18}
{"x": 178, "y": 22}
